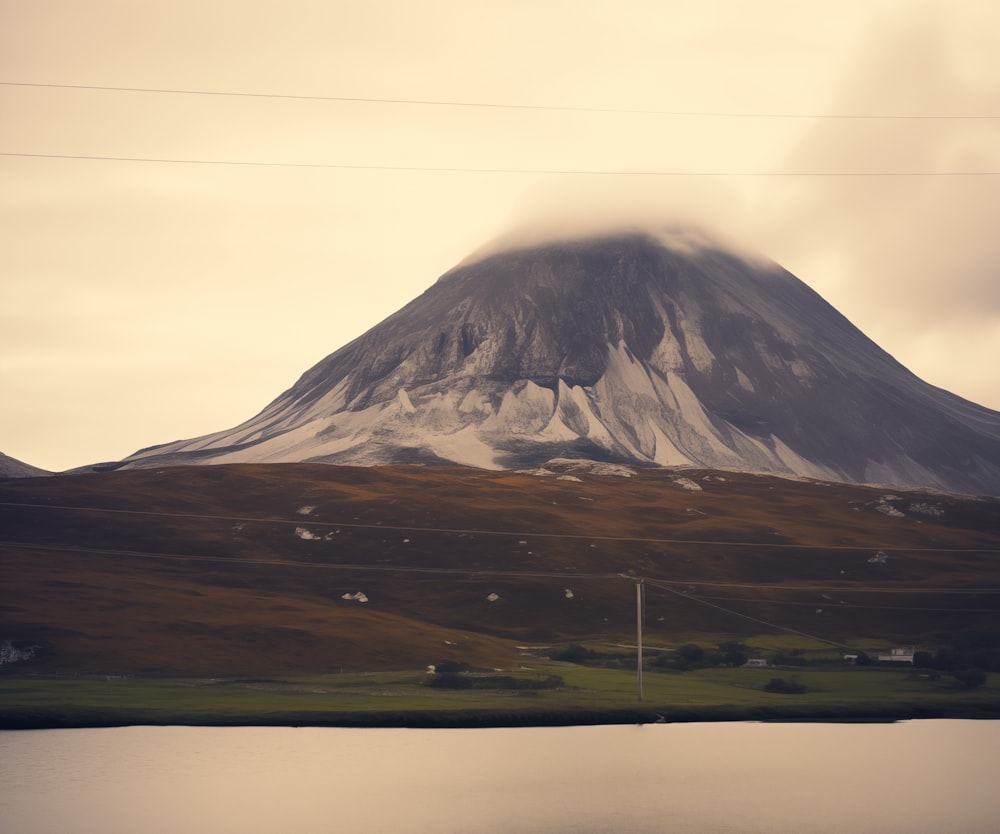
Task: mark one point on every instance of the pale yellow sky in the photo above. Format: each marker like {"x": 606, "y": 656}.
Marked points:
{"x": 143, "y": 302}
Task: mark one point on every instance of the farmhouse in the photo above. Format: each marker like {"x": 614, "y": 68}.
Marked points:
{"x": 900, "y": 655}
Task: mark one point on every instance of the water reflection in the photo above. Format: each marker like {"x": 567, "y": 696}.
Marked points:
{"x": 923, "y": 776}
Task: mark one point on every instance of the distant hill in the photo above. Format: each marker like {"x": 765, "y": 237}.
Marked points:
{"x": 278, "y": 568}
{"x": 13, "y": 468}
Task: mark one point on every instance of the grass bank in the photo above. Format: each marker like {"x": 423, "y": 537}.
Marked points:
{"x": 403, "y": 699}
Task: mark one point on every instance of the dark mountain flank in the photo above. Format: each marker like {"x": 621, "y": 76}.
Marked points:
{"x": 660, "y": 349}
{"x": 14, "y": 468}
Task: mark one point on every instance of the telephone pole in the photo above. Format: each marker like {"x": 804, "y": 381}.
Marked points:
{"x": 640, "y": 593}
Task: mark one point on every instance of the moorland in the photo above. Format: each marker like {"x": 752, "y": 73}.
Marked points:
{"x": 292, "y": 593}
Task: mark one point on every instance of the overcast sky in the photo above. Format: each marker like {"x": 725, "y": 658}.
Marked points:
{"x": 146, "y": 301}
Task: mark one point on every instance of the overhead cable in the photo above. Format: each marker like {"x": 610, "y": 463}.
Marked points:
{"x": 538, "y": 534}
{"x": 474, "y": 170}
{"x": 723, "y": 114}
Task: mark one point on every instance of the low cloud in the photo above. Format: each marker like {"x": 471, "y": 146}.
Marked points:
{"x": 913, "y": 260}
{"x": 916, "y": 247}
{"x": 687, "y": 213}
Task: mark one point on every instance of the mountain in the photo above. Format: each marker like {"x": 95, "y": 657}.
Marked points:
{"x": 13, "y": 468}
{"x": 658, "y": 348}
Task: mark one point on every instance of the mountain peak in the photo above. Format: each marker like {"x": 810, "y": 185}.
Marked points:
{"x": 684, "y": 239}
{"x": 652, "y": 346}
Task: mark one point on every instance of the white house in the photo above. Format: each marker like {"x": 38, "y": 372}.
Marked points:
{"x": 900, "y": 655}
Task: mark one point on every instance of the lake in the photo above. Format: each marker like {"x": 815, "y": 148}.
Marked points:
{"x": 912, "y": 777}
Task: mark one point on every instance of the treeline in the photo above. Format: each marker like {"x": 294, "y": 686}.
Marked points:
{"x": 733, "y": 653}
{"x": 684, "y": 658}
{"x": 458, "y": 675}
{"x": 956, "y": 659}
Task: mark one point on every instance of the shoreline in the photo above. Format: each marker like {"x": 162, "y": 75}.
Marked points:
{"x": 51, "y": 719}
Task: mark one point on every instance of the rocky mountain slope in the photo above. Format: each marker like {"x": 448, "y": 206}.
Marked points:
{"x": 663, "y": 349}
{"x": 14, "y": 468}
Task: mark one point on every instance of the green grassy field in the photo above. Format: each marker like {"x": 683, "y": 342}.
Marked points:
{"x": 588, "y": 695}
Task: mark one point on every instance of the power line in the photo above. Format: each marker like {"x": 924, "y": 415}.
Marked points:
{"x": 843, "y": 586}
{"x": 673, "y": 586}
{"x": 700, "y": 601}
{"x": 537, "y": 534}
{"x": 841, "y": 606}
{"x": 473, "y": 170}
{"x": 723, "y": 114}
{"x": 467, "y": 572}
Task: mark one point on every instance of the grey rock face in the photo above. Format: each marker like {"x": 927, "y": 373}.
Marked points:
{"x": 14, "y": 468}
{"x": 641, "y": 348}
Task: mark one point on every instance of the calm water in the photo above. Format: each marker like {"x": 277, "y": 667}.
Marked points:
{"x": 922, "y": 776}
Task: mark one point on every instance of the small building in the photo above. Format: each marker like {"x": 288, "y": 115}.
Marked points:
{"x": 756, "y": 663}
{"x": 900, "y": 655}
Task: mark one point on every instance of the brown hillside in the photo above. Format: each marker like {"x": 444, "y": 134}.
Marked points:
{"x": 221, "y": 570}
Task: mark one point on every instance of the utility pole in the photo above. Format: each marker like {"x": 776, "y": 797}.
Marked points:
{"x": 639, "y": 610}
